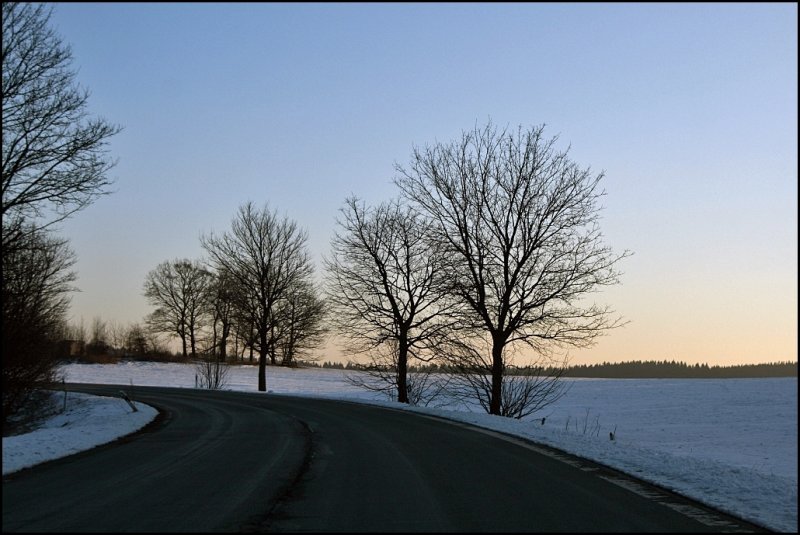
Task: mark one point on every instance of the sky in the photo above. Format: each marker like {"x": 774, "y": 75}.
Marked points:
{"x": 729, "y": 443}
{"x": 689, "y": 109}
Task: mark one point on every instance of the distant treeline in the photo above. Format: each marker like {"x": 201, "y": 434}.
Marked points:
{"x": 671, "y": 369}
{"x": 649, "y": 369}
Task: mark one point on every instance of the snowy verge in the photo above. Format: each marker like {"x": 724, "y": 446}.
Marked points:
{"x": 88, "y": 421}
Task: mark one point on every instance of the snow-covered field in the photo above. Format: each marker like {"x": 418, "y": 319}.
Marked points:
{"x": 730, "y": 443}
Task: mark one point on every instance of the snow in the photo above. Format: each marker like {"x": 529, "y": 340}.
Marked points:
{"x": 729, "y": 443}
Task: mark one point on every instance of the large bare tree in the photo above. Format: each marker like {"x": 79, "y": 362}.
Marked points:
{"x": 518, "y": 222}
{"x": 179, "y": 290}
{"x": 266, "y": 256}
{"x": 383, "y": 284}
{"x": 54, "y": 155}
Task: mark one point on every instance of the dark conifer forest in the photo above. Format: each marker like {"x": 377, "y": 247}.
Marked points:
{"x": 648, "y": 369}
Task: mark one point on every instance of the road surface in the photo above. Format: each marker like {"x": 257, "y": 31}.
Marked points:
{"x": 236, "y": 461}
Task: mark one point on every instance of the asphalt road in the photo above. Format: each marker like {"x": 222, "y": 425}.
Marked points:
{"x": 235, "y": 461}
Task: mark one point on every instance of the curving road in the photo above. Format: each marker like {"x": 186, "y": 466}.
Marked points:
{"x": 236, "y": 461}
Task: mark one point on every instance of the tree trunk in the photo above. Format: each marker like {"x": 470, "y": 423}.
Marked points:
{"x": 497, "y": 375}
{"x": 402, "y": 369}
{"x": 223, "y": 346}
{"x": 271, "y": 351}
{"x": 262, "y": 372}
{"x": 214, "y": 338}
{"x": 193, "y": 343}
{"x": 262, "y": 362}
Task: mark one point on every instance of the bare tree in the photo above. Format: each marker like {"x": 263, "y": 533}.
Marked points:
{"x": 382, "y": 284}
{"x": 36, "y": 283}
{"x": 266, "y": 256}
{"x": 244, "y": 325}
{"x": 300, "y": 322}
{"x": 221, "y": 305}
{"x": 519, "y": 224}
{"x": 54, "y": 157}
{"x": 178, "y": 290}
{"x": 116, "y": 334}
{"x": 98, "y": 342}
{"x": 76, "y": 332}
{"x": 136, "y": 340}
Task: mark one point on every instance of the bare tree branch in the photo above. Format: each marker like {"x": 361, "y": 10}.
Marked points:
{"x": 54, "y": 159}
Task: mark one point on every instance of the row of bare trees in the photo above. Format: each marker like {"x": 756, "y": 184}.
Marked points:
{"x": 491, "y": 250}
{"x": 487, "y": 258}
{"x": 102, "y": 341}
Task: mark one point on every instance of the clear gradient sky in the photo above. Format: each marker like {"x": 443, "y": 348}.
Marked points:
{"x": 690, "y": 109}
